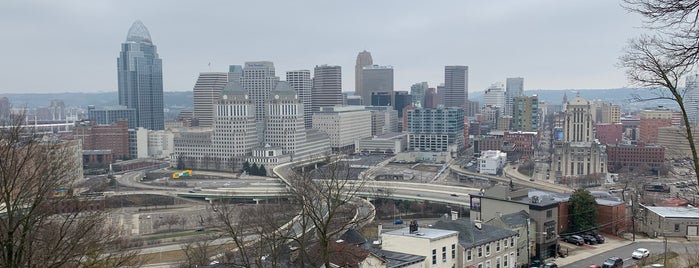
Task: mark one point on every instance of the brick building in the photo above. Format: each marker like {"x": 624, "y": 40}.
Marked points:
{"x": 524, "y": 142}
{"x": 629, "y": 157}
{"x": 609, "y": 133}
{"x": 114, "y": 137}
{"x": 611, "y": 216}
{"x": 651, "y": 120}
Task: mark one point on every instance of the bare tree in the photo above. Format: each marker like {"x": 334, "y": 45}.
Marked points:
{"x": 42, "y": 225}
{"x": 198, "y": 252}
{"x": 325, "y": 203}
{"x": 659, "y": 61}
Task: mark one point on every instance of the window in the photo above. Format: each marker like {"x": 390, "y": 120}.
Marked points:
{"x": 468, "y": 255}
{"x": 480, "y": 265}
{"x": 497, "y": 262}
{"x": 549, "y": 213}
{"x": 487, "y": 250}
{"x": 444, "y": 254}
{"x": 677, "y": 227}
{"x": 434, "y": 256}
{"x": 487, "y": 264}
{"x": 504, "y": 260}
{"x": 453, "y": 251}
{"x": 512, "y": 241}
{"x": 480, "y": 252}
{"x": 497, "y": 246}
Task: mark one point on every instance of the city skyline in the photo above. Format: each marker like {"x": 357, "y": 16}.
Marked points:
{"x": 553, "y": 45}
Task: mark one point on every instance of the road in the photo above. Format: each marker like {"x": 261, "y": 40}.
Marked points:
{"x": 517, "y": 179}
{"x": 624, "y": 252}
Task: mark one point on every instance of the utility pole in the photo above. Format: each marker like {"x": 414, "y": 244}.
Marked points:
{"x": 665, "y": 257}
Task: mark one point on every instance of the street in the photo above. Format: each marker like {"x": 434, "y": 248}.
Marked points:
{"x": 624, "y": 252}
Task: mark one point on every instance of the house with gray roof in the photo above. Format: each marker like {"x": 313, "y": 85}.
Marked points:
{"x": 482, "y": 245}
{"x": 518, "y": 222}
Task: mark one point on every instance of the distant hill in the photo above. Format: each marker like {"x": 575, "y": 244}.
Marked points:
{"x": 619, "y": 96}
{"x": 182, "y": 99}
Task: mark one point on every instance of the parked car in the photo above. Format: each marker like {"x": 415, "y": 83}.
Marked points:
{"x": 575, "y": 239}
{"x": 640, "y": 253}
{"x": 594, "y": 266}
{"x": 599, "y": 237}
{"x": 550, "y": 265}
{"x": 589, "y": 239}
{"x": 613, "y": 262}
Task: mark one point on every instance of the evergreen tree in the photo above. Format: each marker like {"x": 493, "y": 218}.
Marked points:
{"x": 263, "y": 170}
{"x": 254, "y": 170}
{"x": 246, "y": 167}
{"x": 582, "y": 211}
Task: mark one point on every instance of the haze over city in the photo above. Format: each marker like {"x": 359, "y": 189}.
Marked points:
{"x": 72, "y": 46}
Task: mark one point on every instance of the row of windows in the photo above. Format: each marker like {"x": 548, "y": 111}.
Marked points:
{"x": 487, "y": 248}
{"x": 444, "y": 254}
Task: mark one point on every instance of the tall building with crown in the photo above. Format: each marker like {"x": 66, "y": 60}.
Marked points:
{"x": 284, "y": 119}
{"x": 140, "y": 78}
{"x": 579, "y": 159}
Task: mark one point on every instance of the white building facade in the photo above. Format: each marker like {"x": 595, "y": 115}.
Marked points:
{"x": 345, "y": 125}
{"x": 491, "y": 162}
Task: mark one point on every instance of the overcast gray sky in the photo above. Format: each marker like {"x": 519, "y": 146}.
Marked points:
{"x": 72, "y": 46}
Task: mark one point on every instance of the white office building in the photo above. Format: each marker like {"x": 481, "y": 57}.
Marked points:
{"x": 259, "y": 80}
{"x": 284, "y": 119}
{"x": 224, "y": 146}
{"x": 345, "y": 125}
{"x": 495, "y": 96}
{"x": 491, "y": 162}
{"x": 206, "y": 92}
{"x": 161, "y": 144}
{"x": 301, "y": 81}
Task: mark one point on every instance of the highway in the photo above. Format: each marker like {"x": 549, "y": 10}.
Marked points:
{"x": 266, "y": 188}
{"x": 517, "y": 178}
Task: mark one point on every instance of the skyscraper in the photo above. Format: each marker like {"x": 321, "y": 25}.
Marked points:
{"x": 525, "y": 114}
{"x": 691, "y": 97}
{"x": 418, "y": 90}
{"x": 514, "y": 87}
{"x": 234, "y": 73}
{"x": 578, "y": 123}
{"x": 301, "y": 82}
{"x": 327, "y": 86}
{"x": 376, "y": 78}
{"x": 455, "y": 86}
{"x": 494, "y": 96}
{"x": 259, "y": 80}
{"x": 363, "y": 60}
{"x": 284, "y": 119}
{"x": 206, "y": 93}
{"x": 140, "y": 75}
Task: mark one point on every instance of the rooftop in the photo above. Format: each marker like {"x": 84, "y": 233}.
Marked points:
{"x": 470, "y": 236}
{"x": 426, "y": 233}
{"x": 138, "y": 33}
{"x": 396, "y": 259}
{"x": 676, "y": 212}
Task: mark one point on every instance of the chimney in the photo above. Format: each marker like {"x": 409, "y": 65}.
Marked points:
{"x": 454, "y": 215}
{"x": 413, "y": 226}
